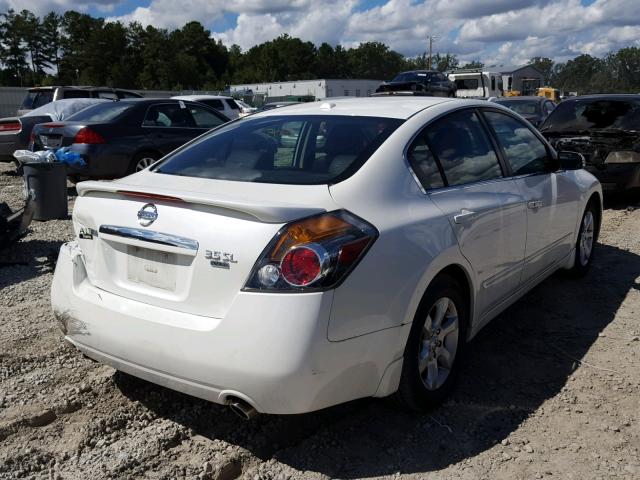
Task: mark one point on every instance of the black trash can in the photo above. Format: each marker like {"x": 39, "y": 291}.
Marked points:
{"x": 47, "y": 182}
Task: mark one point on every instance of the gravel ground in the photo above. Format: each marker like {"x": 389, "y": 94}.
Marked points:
{"x": 551, "y": 389}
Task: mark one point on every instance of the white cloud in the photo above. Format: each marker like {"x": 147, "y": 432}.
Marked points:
{"x": 495, "y": 31}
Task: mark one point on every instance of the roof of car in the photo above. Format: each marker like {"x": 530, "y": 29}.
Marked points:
{"x": 200, "y": 97}
{"x": 520, "y": 99}
{"x": 401, "y": 107}
{"x": 606, "y": 96}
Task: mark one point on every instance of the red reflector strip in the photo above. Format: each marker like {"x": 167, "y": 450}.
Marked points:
{"x": 149, "y": 196}
{"x": 52, "y": 125}
{"x": 10, "y": 127}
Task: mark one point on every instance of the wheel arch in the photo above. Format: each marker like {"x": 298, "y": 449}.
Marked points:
{"x": 596, "y": 200}
{"x": 461, "y": 274}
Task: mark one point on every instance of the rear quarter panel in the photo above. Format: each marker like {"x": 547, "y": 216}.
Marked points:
{"x": 416, "y": 242}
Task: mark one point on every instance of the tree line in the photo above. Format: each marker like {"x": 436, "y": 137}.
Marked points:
{"x": 78, "y": 49}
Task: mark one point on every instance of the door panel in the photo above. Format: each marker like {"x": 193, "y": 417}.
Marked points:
{"x": 489, "y": 221}
{"x": 550, "y": 197}
{"x": 486, "y": 210}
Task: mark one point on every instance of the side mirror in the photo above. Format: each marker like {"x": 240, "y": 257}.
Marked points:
{"x": 571, "y": 160}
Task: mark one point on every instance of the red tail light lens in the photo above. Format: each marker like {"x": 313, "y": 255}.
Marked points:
{"x": 86, "y": 135}
{"x": 301, "y": 266}
{"x": 313, "y": 253}
{"x": 10, "y": 127}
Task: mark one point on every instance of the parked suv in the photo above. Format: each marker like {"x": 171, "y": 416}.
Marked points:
{"x": 426, "y": 82}
{"x": 39, "y": 96}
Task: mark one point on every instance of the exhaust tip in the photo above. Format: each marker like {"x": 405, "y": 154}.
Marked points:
{"x": 242, "y": 408}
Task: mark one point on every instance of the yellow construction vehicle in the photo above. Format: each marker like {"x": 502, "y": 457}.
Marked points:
{"x": 552, "y": 94}
{"x": 513, "y": 93}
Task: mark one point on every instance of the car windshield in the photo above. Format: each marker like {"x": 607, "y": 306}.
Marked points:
{"x": 522, "y": 107}
{"x": 594, "y": 114}
{"x": 410, "y": 77}
{"x": 288, "y": 149}
{"x": 37, "y": 98}
{"x": 102, "y": 112}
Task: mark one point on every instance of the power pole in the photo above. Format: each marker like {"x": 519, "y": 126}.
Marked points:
{"x": 432, "y": 38}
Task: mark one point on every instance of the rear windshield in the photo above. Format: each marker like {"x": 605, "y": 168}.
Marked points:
{"x": 37, "y": 99}
{"x": 521, "y": 107}
{"x": 290, "y": 149}
{"x": 102, "y": 112}
{"x": 594, "y": 114}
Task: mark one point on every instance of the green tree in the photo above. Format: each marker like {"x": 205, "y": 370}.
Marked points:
{"x": 446, "y": 62}
{"x": 474, "y": 64}
{"x": 545, "y": 65}
{"x": 374, "y": 60}
{"x": 51, "y": 39}
{"x": 13, "y": 50}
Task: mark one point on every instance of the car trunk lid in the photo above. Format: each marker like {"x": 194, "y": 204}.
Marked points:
{"x": 183, "y": 243}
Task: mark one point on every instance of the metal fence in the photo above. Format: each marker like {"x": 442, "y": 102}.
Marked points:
{"x": 11, "y": 97}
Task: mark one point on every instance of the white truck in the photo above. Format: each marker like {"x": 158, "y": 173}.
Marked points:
{"x": 477, "y": 83}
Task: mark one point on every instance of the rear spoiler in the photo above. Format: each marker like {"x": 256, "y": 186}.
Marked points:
{"x": 273, "y": 212}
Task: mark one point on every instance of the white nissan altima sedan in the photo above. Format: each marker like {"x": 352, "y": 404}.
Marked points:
{"x": 308, "y": 256}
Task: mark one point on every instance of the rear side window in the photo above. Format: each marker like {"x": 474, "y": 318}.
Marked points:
{"x": 214, "y": 103}
{"x": 289, "y": 149}
{"x": 460, "y": 143}
{"x": 523, "y": 149}
{"x": 424, "y": 163}
{"x": 173, "y": 115}
{"x": 232, "y": 104}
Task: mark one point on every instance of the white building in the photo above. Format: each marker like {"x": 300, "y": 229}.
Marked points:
{"x": 320, "y": 88}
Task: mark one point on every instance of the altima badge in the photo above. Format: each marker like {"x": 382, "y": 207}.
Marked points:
{"x": 219, "y": 259}
{"x": 147, "y": 214}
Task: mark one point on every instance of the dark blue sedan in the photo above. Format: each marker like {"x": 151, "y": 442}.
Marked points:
{"x": 118, "y": 138}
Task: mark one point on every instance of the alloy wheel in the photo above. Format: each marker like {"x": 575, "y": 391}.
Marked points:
{"x": 586, "y": 237}
{"x": 144, "y": 163}
{"x": 438, "y": 343}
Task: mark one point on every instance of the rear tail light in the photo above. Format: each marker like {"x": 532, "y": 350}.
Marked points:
{"x": 86, "y": 135}
{"x": 10, "y": 126}
{"x": 312, "y": 254}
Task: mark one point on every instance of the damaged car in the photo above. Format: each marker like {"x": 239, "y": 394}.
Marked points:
{"x": 605, "y": 129}
{"x": 14, "y": 224}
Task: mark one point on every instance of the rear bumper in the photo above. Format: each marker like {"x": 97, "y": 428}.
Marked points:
{"x": 270, "y": 349}
{"x": 617, "y": 176}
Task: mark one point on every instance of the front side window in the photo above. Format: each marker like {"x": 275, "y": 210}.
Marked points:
{"x": 523, "y": 149}
{"x": 289, "y": 149}
{"x": 460, "y": 143}
{"x": 204, "y": 118}
{"x": 173, "y": 115}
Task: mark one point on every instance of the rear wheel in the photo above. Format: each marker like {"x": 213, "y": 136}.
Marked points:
{"x": 432, "y": 355}
{"x": 142, "y": 161}
{"x": 586, "y": 241}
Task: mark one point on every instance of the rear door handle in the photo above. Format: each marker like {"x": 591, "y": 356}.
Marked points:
{"x": 534, "y": 204}
{"x": 464, "y": 216}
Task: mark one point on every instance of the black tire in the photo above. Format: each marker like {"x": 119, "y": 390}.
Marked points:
{"x": 581, "y": 264}
{"x": 141, "y": 160}
{"x": 452, "y": 95}
{"x": 413, "y": 392}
